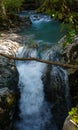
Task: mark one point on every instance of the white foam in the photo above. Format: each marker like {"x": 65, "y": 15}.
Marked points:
{"x": 36, "y": 19}
{"x": 34, "y": 110}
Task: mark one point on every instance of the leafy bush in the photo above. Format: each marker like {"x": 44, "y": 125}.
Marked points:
{"x": 12, "y": 4}
{"x": 74, "y": 115}
{"x": 8, "y": 10}
{"x": 66, "y": 12}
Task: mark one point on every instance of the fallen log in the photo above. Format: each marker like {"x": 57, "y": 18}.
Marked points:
{"x": 41, "y": 60}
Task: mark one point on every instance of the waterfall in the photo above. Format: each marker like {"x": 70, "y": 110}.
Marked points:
{"x": 35, "y": 111}
{"x": 56, "y": 88}
{"x": 44, "y": 92}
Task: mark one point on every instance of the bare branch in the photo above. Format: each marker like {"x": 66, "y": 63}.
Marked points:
{"x": 40, "y": 60}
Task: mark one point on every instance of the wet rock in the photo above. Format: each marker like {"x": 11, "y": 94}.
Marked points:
{"x": 16, "y": 39}
{"x": 8, "y": 47}
{"x": 56, "y": 94}
{"x": 71, "y": 51}
{"x": 8, "y": 82}
{"x": 73, "y": 84}
{"x": 24, "y": 21}
{"x": 8, "y": 77}
{"x": 7, "y": 106}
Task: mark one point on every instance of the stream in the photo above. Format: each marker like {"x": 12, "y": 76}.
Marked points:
{"x": 43, "y": 88}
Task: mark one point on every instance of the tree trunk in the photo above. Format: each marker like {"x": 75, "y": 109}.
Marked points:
{"x": 3, "y": 10}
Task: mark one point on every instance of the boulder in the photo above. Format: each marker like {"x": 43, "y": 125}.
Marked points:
{"x": 8, "y": 47}
{"x": 8, "y": 83}
{"x": 7, "y": 106}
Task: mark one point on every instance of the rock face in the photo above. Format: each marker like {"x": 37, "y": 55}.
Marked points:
{"x": 56, "y": 90}
{"x": 73, "y": 83}
{"x": 8, "y": 46}
{"x": 8, "y": 83}
{"x": 7, "y": 106}
{"x": 71, "y": 56}
{"x": 71, "y": 51}
{"x": 55, "y": 94}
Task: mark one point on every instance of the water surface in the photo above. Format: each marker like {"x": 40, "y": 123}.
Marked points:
{"x": 43, "y": 28}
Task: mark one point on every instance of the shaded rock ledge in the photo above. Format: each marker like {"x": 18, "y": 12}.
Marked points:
{"x": 9, "y": 92}
{"x": 70, "y": 54}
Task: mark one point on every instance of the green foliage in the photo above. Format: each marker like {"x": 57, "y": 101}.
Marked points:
{"x": 73, "y": 111}
{"x": 70, "y": 1}
{"x": 55, "y": 1}
{"x": 49, "y": 12}
{"x": 64, "y": 11}
{"x": 60, "y": 16}
{"x": 8, "y": 10}
{"x": 12, "y": 5}
{"x": 70, "y": 36}
{"x": 71, "y": 32}
{"x": 74, "y": 115}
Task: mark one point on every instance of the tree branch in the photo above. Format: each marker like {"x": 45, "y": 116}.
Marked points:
{"x": 40, "y": 60}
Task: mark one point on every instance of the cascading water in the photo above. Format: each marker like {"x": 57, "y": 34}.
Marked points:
{"x": 56, "y": 88}
{"x": 43, "y": 28}
{"x": 35, "y": 112}
{"x": 43, "y": 88}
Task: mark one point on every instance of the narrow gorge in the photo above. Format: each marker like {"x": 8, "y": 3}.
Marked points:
{"x": 40, "y": 95}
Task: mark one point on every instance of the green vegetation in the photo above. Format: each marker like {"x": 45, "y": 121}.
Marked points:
{"x": 8, "y": 9}
{"x": 65, "y": 11}
{"x": 74, "y": 115}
